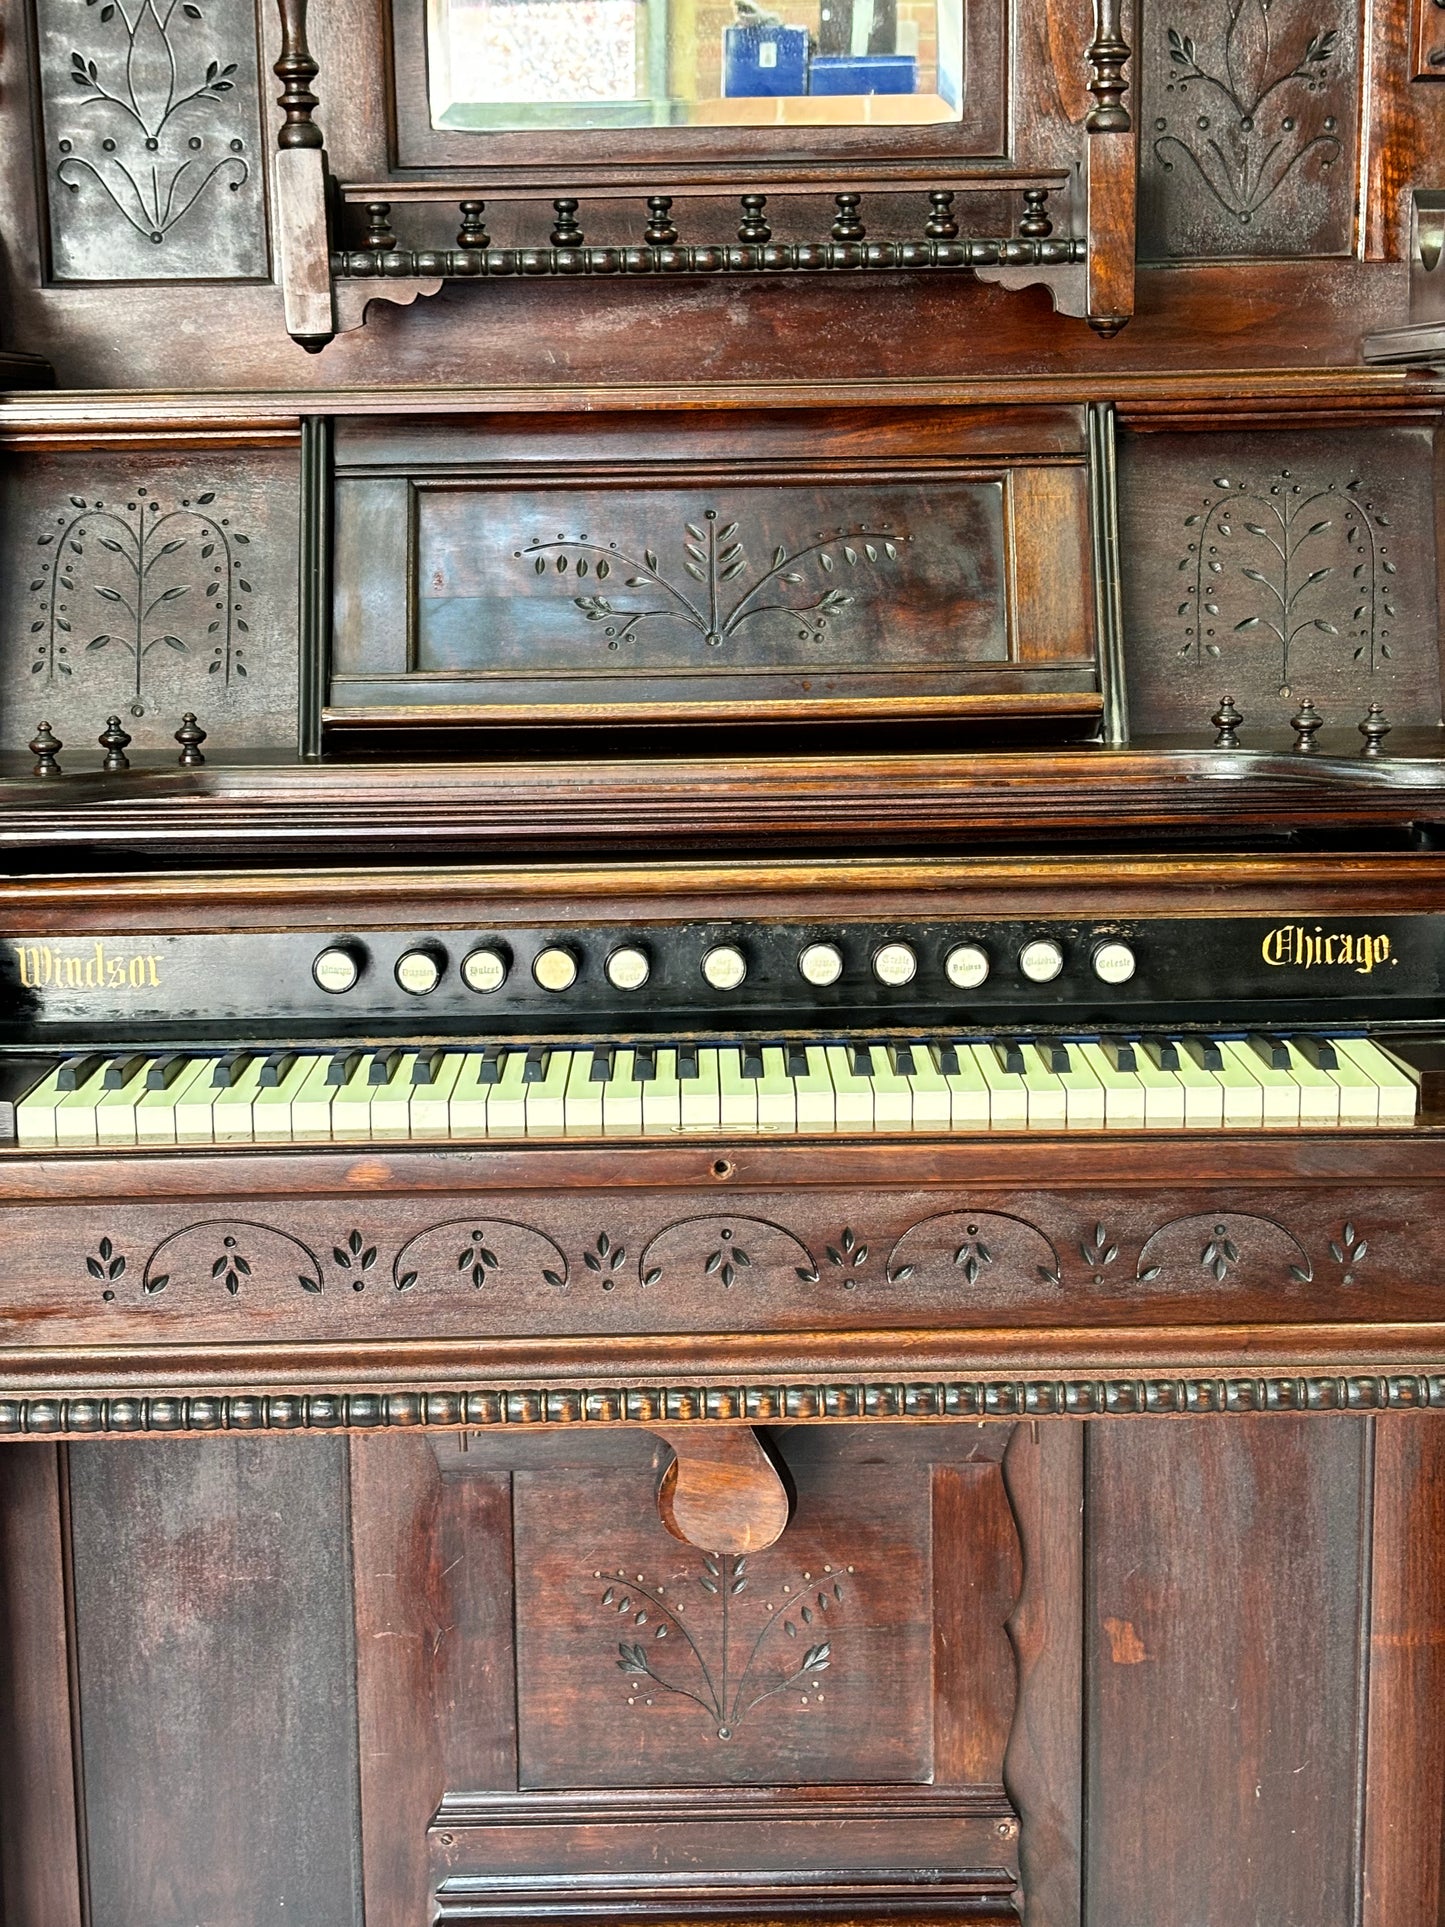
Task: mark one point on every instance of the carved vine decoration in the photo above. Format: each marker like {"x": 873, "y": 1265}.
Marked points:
{"x": 1225, "y": 1241}
{"x": 172, "y": 580}
{"x": 693, "y": 1654}
{"x": 714, "y": 559}
{"x": 1242, "y": 154}
{"x": 141, "y": 80}
{"x": 1315, "y": 565}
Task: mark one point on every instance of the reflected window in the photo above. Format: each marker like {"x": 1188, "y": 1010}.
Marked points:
{"x": 515, "y": 64}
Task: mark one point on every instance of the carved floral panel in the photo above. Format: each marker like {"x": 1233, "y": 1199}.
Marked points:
{"x": 1247, "y": 132}
{"x": 146, "y": 591}
{"x": 1275, "y": 566}
{"x": 152, "y": 138}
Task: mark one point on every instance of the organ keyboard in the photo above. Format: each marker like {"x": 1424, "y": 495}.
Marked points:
{"x": 539, "y": 1091}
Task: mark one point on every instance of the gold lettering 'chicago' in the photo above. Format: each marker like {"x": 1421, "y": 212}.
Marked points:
{"x": 1292, "y": 945}
{"x": 44, "y": 968}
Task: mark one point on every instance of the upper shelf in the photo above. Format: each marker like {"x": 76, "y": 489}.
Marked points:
{"x": 379, "y": 811}
{"x": 1062, "y": 217}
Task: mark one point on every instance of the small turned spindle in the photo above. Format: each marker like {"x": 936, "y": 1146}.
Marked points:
{"x": 379, "y": 237}
{"x": 115, "y": 741}
{"x": 848, "y": 225}
{"x": 660, "y": 232}
{"x": 472, "y": 233}
{"x": 1305, "y": 722}
{"x": 1375, "y": 728}
{"x": 190, "y": 736}
{"x": 1035, "y": 225}
{"x": 1226, "y": 720}
{"x": 754, "y": 228}
{"x": 566, "y": 233}
{"x": 941, "y": 225}
{"x": 45, "y": 747}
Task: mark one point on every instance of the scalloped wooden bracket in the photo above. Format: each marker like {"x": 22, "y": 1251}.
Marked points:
{"x": 722, "y": 1491}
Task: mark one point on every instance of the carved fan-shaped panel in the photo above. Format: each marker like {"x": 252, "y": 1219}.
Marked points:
{"x": 1221, "y": 1251}
{"x": 231, "y": 1257}
{"x": 726, "y": 1252}
{"x": 477, "y": 1253}
{"x": 986, "y": 1254}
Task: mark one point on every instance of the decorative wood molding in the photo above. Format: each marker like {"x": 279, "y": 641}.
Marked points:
{"x": 964, "y": 1399}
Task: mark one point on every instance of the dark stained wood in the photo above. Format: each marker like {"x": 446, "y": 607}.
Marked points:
{"x": 218, "y": 1562}
{"x": 41, "y": 1847}
{"x": 1404, "y": 1845}
{"x": 1226, "y": 1720}
{"x": 722, "y": 1492}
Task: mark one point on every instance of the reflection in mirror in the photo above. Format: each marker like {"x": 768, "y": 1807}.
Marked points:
{"x": 510, "y": 64}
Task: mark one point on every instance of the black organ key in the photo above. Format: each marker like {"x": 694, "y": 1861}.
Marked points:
{"x": 1273, "y": 1051}
{"x": 428, "y": 1066}
{"x": 644, "y": 1064}
{"x": 343, "y": 1067}
{"x": 227, "y": 1072}
{"x": 118, "y": 1072}
{"x": 491, "y": 1070}
{"x": 276, "y": 1069}
{"x": 1120, "y": 1053}
{"x": 601, "y": 1072}
{"x": 76, "y": 1071}
{"x": 164, "y": 1072}
{"x": 1162, "y": 1052}
{"x": 534, "y": 1071}
{"x": 1055, "y": 1054}
{"x": 1204, "y": 1052}
{"x": 797, "y": 1060}
{"x": 901, "y": 1056}
{"x": 860, "y": 1059}
{"x": 948, "y": 1060}
{"x": 1317, "y": 1051}
{"x": 686, "y": 1062}
{"x": 1009, "y": 1053}
{"x": 384, "y": 1067}
{"x": 752, "y": 1060}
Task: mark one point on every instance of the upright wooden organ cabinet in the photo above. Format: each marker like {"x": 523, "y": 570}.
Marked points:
{"x": 722, "y": 919}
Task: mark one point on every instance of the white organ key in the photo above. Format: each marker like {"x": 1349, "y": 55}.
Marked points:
{"x": 351, "y": 1104}
{"x": 852, "y": 1092}
{"x": 968, "y": 1091}
{"x": 1164, "y": 1096}
{"x": 777, "y": 1099}
{"x": 662, "y": 1097}
{"x": 1008, "y": 1098}
{"x": 1124, "y": 1096}
{"x": 1319, "y": 1094}
{"x": 114, "y": 1112}
{"x": 1047, "y": 1103}
{"x": 1398, "y": 1090}
{"x": 231, "y": 1107}
{"x": 1279, "y": 1094}
{"x": 892, "y": 1095}
{"x": 1203, "y": 1094}
{"x": 622, "y": 1097}
{"x": 1243, "y": 1092}
{"x": 702, "y": 1095}
{"x": 507, "y": 1100}
{"x": 545, "y": 1102}
{"x": 155, "y": 1112}
{"x": 75, "y": 1114}
{"x": 1084, "y": 1094}
{"x": 932, "y": 1099}
{"x": 738, "y": 1094}
{"x": 310, "y": 1107}
{"x": 467, "y": 1104}
{"x": 431, "y": 1103}
{"x": 813, "y": 1089}
{"x": 582, "y": 1105}
{"x": 391, "y": 1101}
{"x": 1359, "y": 1093}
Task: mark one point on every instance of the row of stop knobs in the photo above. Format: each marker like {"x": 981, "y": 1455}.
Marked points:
{"x": 723, "y": 967}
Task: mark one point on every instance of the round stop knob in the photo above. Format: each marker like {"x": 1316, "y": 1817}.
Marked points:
{"x": 555, "y": 968}
{"x": 337, "y": 968}
{"x": 724, "y": 967}
{"x": 821, "y": 964}
{"x": 1114, "y": 963}
{"x": 1041, "y": 961}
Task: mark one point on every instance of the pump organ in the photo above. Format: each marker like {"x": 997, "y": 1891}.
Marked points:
{"x": 721, "y": 1061}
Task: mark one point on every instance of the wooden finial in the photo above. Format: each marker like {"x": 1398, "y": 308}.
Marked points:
{"x": 190, "y": 736}
{"x": 660, "y": 232}
{"x": 379, "y": 236}
{"x": 114, "y": 740}
{"x": 940, "y": 226}
{"x": 567, "y": 233}
{"x": 848, "y": 225}
{"x": 296, "y": 70}
{"x": 46, "y": 746}
{"x": 472, "y": 233}
{"x": 1304, "y": 722}
{"x": 1035, "y": 225}
{"x": 1226, "y": 720}
{"x": 754, "y": 228}
{"x": 1375, "y": 728}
